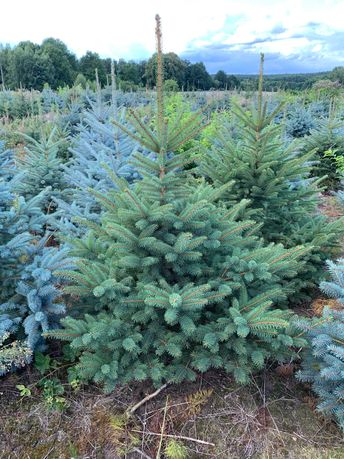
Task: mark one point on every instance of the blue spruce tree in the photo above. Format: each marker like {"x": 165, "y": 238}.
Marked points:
{"x": 335, "y": 288}
{"x": 299, "y": 122}
{"x": 275, "y": 179}
{"x": 173, "y": 281}
{"x": 29, "y": 290}
{"x": 98, "y": 145}
{"x": 327, "y": 142}
{"x": 323, "y": 362}
{"x": 41, "y": 167}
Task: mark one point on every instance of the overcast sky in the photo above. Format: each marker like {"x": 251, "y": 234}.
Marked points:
{"x": 295, "y": 35}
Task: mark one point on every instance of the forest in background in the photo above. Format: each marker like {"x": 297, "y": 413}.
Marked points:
{"x": 31, "y": 66}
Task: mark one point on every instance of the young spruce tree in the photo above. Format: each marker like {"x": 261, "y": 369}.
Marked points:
{"x": 29, "y": 293}
{"x": 323, "y": 360}
{"x": 42, "y": 167}
{"x": 260, "y": 168}
{"x": 173, "y": 281}
{"x": 97, "y": 143}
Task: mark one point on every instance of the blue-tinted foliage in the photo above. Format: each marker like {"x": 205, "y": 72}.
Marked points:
{"x": 335, "y": 287}
{"x": 323, "y": 364}
{"x": 41, "y": 167}
{"x": 51, "y": 100}
{"x": 299, "y": 122}
{"x": 99, "y": 144}
{"x": 340, "y": 197}
{"x": 28, "y": 294}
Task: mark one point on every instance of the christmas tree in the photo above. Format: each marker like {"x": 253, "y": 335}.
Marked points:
{"x": 275, "y": 179}
{"x": 300, "y": 121}
{"x": 98, "y": 143}
{"x": 323, "y": 363}
{"x": 29, "y": 290}
{"x": 172, "y": 280}
{"x": 41, "y": 167}
{"x": 327, "y": 142}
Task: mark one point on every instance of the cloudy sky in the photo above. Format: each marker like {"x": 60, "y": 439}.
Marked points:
{"x": 295, "y": 35}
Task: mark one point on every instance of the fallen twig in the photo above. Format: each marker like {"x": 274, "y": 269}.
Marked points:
{"x": 177, "y": 437}
{"x": 132, "y": 410}
{"x": 162, "y": 430}
{"x": 137, "y": 450}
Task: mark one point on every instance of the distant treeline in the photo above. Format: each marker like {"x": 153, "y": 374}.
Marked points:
{"x": 297, "y": 81}
{"x": 31, "y": 66}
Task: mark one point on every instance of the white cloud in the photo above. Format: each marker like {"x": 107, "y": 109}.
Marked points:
{"x": 110, "y": 26}
{"x": 125, "y": 28}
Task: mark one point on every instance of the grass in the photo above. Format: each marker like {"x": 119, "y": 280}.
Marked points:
{"x": 274, "y": 417}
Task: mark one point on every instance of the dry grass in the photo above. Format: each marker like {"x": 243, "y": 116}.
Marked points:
{"x": 330, "y": 207}
{"x": 319, "y": 303}
{"x": 274, "y": 417}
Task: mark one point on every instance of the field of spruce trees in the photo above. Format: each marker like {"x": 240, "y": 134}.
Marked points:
{"x": 171, "y": 271}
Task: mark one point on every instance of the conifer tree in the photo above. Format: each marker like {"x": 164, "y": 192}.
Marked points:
{"x": 41, "y": 167}
{"x": 29, "y": 293}
{"x": 299, "y": 122}
{"x": 98, "y": 143}
{"x": 327, "y": 142}
{"x": 173, "y": 281}
{"x": 275, "y": 179}
{"x": 18, "y": 220}
{"x": 323, "y": 360}
{"x": 335, "y": 287}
